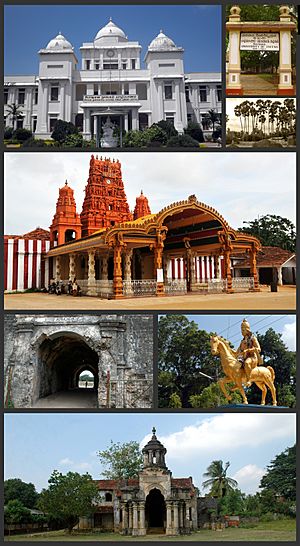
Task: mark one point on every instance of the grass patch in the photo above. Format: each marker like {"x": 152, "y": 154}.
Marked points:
{"x": 282, "y": 530}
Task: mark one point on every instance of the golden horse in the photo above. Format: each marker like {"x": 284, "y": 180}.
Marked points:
{"x": 262, "y": 376}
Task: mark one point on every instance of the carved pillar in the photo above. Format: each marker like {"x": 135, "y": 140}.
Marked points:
{"x": 217, "y": 267}
{"x": 176, "y": 520}
{"x": 127, "y": 271}
{"x": 253, "y": 268}
{"x": 181, "y": 525}
{"x": 135, "y": 530}
{"x": 142, "y": 528}
{"x": 158, "y": 260}
{"x": 104, "y": 268}
{"x": 228, "y": 270}
{"x": 91, "y": 274}
{"x": 169, "y": 529}
{"x": 191, "y": 268}
{"x": 72, "y": 267}
{"x": 57, "y": 268}
{"x": 118, "y": 282}
{"x": 124, "y": 518}
{"x": 130, "y": 518}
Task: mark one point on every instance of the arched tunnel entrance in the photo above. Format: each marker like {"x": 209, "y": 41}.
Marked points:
{"x": 155, "y": 512}
{"x": 62, "y": 358}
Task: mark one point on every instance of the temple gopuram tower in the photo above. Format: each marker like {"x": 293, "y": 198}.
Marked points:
{"x": 141, "y": 207}
{"x": 66, "y": 224}
{"x": 105, "y": 203}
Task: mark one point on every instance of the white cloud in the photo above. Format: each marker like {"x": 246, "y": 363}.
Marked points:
{"x": 248, "y": 478}
{"x": 72, "y": 465}
{"x": 289, "y": 335}
{"x": 227, "y": 433}
{"x": 65, "y": 461}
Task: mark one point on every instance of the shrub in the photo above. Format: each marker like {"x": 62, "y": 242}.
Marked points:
{"x": 22, "y": 134}
{"x": 175, "y": 401}
{"x": 168, "y": 128}
{"x": 135, "y": 139}
{"x": 73, "y": 141}
{"x": 183, "y": 141}
{"x": 156, "y": 136}
{"x": 34, "y": 143}
{"x": 8, "y": 133}
{"x": 62, "y": 129}
{"x": 194, "y": 130}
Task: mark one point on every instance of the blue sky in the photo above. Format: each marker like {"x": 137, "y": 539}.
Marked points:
{"x": 229, "y": 326}
{"x": 36, "y": 444}
{"x": 29, "y": 28}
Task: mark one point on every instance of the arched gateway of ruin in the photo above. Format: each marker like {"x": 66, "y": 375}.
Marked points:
{"x": 152, "y": 503}
{"x": 45, "y": 355}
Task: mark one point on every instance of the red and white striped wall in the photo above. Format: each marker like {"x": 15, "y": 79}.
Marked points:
{"x": 23, "y": 264}
{"x": 204, "y": 268}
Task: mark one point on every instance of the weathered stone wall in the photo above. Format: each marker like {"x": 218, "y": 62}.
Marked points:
{"x": 118, "y": 348}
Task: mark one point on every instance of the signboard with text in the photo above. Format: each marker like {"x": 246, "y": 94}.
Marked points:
{"x": 259, "y": 41}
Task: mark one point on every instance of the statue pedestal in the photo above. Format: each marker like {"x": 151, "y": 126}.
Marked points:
{"x": 243, "y": 406}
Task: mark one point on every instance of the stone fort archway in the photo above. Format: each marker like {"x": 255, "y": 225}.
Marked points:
{"x": 155, "y": 511}
{"x": 61, "y": 358}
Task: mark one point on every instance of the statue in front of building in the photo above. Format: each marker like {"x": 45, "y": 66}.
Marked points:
{"x": 108, "y": 140}
{"x": 243, "y": 367}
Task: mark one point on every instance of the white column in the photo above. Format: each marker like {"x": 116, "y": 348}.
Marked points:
{"x": 62, "y": 101}
{"x": 279, "y": 272}
{"x": 134, "y": 114}
{"x": 126, "y": 122}
{"x": 178, "y": 116}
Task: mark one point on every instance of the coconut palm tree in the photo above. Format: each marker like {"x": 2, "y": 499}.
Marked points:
{"x": 15, "y": 112}
{"x": 213, "y": 118}
{"x": 218, "y": 481}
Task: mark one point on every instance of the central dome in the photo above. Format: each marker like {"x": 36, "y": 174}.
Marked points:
{"x": 110, "y": 30}
{"x": 162, "y": 42}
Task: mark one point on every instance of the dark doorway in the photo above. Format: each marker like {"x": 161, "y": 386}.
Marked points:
{"x": 155, "y": 510}
{"x": 62, "y": 359}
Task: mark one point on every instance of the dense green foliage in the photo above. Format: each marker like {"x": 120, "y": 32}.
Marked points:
{"x": 68, "y": 497}
{"x": 122, "y": 461}
{"x": 194, "y": 130}
{"x": 280, "y": 478}
{"x": 16, "y": 512}
{"x": 62, "y": 130}
{"x": 273, "y": 230}
{"x": 16, "y": 489}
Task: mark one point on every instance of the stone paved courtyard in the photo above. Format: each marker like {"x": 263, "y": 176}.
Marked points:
{"x": 284, "y": 299}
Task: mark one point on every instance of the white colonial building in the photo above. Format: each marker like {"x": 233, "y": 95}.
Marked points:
{"x": 111, "y": 84}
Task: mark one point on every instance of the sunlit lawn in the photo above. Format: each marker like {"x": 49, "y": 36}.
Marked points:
{"x": 283, "y": 530}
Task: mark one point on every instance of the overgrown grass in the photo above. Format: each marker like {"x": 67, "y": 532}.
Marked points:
{"x": 282, "y": 530}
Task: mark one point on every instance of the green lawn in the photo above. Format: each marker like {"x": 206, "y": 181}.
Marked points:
{"x": 283, "y": 530}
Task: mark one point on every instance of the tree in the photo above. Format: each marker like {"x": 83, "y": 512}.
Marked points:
{"x": 233, "y": 503}
{"x": 283, "y": 361}
{"x": 63, "y": 129}
{"x": 219, "y": 483}
{"x": 68, "y": 497}
{"x": 184, "y": 353}
{"x": 168, "y": 128}
{"x": 194, "y": 130}
{"x": 123, "y": 461}
{"x": 16, "y": 489}
{"x": 16, "y": 512}
{"x": 273, "y": 230}
{"x": 280, "y": 478}
{"x": 175, "y": 401}
{"x": 15, "y": 111}
{"x": 212, "y": 397}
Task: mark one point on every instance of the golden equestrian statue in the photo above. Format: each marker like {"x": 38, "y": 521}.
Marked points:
{"x": 243, "y": 367}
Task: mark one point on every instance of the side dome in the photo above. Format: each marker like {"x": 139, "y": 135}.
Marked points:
{"x": 162, "y": 43}
{"x": 59, "y": 42}
{"x": 110, "y": 30}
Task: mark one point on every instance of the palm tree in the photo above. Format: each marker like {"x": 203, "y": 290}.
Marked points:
{"x": 212, "y": 117}
{"x": 14, "y": 111}
{"x": 218, "y": 482}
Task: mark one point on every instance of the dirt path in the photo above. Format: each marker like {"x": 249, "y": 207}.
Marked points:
{"x": 68, "y": 399}
{"x": 284, "y": 299}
